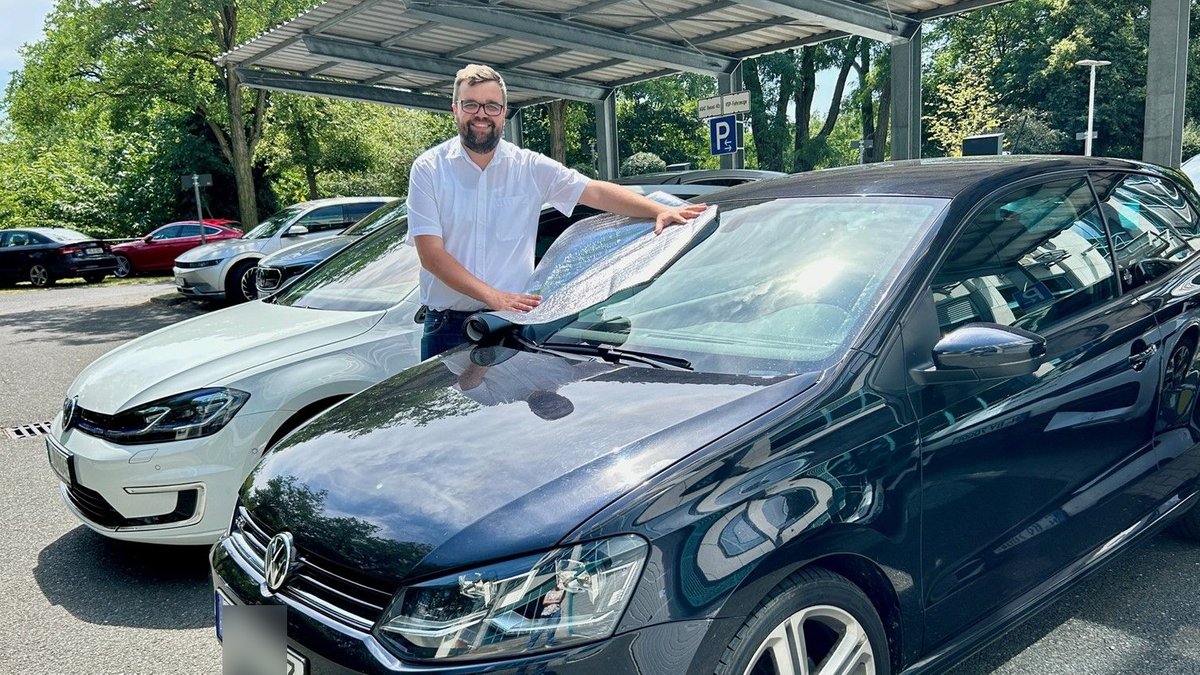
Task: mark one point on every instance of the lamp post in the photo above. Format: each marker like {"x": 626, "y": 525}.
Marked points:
{"x": 1093, "y": 64}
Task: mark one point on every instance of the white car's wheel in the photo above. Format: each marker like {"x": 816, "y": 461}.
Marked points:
{"x": 814, "y": 623}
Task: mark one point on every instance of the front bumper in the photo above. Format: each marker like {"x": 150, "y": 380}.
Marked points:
{"x": 333, "y": 648}
{"x": 180, "y": 492}
{"x": 201, "y": 281}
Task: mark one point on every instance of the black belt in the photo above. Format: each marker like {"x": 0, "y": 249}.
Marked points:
{"x": 453, "y": 314}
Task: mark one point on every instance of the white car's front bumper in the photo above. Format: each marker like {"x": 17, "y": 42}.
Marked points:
{"x": 179, "y": 492}
{"x": 201, "y": 281}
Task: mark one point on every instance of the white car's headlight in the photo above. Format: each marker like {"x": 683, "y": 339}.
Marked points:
{"x": 568, "y": 596}
{"x": 189, "y": 415}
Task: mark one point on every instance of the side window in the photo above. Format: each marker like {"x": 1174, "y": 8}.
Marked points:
{"x": 356, "y": 212}
{"x": 1032, "y": 258}
{"x": 165, "y": 233}
{"x": 188, "y": 231}
{"x": 324, "y": 219}
{"x": 1147, "y": 217}
{"x": 19, "y": 239}
{"x": 209, "y": 230}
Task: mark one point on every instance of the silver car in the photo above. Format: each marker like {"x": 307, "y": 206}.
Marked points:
{"x": 225, "y": 269}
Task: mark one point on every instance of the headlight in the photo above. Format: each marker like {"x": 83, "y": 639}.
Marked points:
{"x": 190, "y": 415}
{"x": 567, "y": 596}
{"x": 199, "y": 264}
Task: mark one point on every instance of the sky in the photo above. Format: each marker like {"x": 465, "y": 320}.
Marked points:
{"x": 21, "y": 21}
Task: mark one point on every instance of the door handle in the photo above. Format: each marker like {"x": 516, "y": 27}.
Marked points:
{"x": 1139, "y": 359}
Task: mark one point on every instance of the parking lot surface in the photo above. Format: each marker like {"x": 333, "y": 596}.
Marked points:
{"x": 76, "y": 602}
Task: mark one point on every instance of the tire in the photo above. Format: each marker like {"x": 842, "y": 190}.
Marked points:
{"x": 124, "y": 267}
{"x": 40, "y": 276}
{"x": 236, "y": 283}
{"x": 94, "y": 277}
{"x": 820, "y": 611}
{"x": 1188, "y": 524}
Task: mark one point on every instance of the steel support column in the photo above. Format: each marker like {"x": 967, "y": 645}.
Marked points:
{"x": 512, "y": 129}
{"x": 728, "y": 83}
{"x": 1166, "y": 82}
{"x": 906, "y": 98}
{"x": 606, "y": 137}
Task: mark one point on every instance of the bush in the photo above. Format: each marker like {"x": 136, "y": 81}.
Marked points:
{"x": 586, "y": 169}
{"x": 642, "y": 162}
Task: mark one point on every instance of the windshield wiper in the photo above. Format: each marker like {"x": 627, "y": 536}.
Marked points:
{"x": 607, "y": 353}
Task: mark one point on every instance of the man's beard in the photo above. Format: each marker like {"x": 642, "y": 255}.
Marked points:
{"x": 481, "y": 142}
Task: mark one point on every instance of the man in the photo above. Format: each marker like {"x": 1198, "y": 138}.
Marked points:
{"x": 473, "y": 206}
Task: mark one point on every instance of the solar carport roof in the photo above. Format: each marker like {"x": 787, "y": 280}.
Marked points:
{"x": 406, "y": 52}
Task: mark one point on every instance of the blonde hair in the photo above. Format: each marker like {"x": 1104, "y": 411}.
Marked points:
{"x": 474, "y": 74}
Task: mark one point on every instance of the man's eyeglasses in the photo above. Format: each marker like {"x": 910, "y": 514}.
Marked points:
{"x": 472, "y": 107}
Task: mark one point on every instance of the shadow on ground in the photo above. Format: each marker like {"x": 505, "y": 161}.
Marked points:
{"x": 1139, "y": 597}
{"x": 92, "y": 325}
{"x": 113, "y": 583}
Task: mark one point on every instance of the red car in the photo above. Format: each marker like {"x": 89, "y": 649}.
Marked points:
{"x": 156, "y": 252}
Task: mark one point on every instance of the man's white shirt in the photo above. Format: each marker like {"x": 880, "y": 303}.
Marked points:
{"x": 487, "y": 219}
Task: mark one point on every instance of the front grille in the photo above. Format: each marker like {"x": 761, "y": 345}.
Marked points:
{"x": 96, "y": 508}
{"x": 332, "y": 589}
{"x": 268, "y": 278}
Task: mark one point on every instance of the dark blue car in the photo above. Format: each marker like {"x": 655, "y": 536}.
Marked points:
{"x": 861, "y": 421}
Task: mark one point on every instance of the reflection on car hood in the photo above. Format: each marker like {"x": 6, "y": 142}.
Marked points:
{"x": 309, "y": 251}
{"x": 219, "y": 250}
{"x": 208, "y": 349}
{"x": 451, "y": 463}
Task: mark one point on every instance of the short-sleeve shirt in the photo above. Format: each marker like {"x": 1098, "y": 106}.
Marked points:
{"x": 487, "y": 218}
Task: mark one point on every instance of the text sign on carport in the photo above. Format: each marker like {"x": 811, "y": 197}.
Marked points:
{"x": 202, "y": 180}
{"x": 729, "y": 104}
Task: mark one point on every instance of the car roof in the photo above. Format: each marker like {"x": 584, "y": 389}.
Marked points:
{"x": 331, "y": 201}
{"x": 943, "y": 177}
{"x": 698, "y": 176}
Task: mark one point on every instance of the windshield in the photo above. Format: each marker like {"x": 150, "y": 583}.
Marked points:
{"x": 780, "y": 287}
{"x": 371, "y": 274}
{"x": 273, "y": 224}
{"x": 380, "y": 217}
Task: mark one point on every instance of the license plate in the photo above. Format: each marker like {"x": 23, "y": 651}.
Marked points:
{"x": 93, "y": 250}
{"x": 60, "y": 460}
{"x": 220, "y": 601}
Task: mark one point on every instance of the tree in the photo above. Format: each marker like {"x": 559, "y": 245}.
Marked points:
{"x": 139, "y": 53}
{"x": 316, "y": 136}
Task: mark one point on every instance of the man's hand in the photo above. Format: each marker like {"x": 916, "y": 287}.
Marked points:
{"x": 677, "y": 216}
{"x": 512, "y": 302}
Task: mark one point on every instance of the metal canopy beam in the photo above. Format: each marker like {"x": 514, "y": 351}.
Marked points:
{"x": 371, "y": 55}
{"x": 297, "y": 84}
{"x": 571, "y": 35}
{"x": 850, "y": 17}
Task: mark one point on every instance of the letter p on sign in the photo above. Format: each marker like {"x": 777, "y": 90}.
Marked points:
{"x": 722, "y": 134}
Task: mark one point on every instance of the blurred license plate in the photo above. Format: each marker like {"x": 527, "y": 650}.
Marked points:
{"x": 220, "y": 602}
{"x": 93, "y": 250}
{"x": 60, "y": 460}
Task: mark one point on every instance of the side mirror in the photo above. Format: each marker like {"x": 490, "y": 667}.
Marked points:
{"x": 296, "y": 231}
{"x": 978, "y": 352}
{"x": 148, "y": 238}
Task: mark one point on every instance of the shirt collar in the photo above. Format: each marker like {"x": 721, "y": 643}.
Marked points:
{"x": 503, "y": 150}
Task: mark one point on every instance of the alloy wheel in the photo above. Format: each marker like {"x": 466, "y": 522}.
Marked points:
{"x": 39, "y": 276}
{"x": 1178, "y": 366}
{"x": 249, "y": 284}
{"x": 818, "y": 640}
{"x": 124, "y": 267}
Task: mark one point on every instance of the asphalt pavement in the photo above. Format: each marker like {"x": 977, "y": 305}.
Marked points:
{"x": 75, "y": 602}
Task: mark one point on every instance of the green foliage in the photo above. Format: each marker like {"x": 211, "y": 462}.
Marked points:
{"x": 642, "y": 162}
{"x": 660, "y": 116}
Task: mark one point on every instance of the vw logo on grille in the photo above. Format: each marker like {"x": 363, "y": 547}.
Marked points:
{"x": 281, "y": 553}
{"x": 70, "y": 408}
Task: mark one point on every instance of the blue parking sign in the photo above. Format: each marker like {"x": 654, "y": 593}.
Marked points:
{"x": 722, "y": 134}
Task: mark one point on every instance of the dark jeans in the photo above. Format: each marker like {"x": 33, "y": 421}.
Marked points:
{"x": 443, "y": 331}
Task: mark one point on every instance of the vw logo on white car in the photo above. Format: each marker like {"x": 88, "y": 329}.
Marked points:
{"x": 281, "y": 553}
{"x": 70, "y": 407}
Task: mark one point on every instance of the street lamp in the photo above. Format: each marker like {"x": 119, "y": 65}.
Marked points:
{"x": 1093, "y": 63}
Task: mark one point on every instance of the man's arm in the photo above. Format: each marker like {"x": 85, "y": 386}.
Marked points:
{"x": 615, "y": 199}
{"x": 435, "y": 258}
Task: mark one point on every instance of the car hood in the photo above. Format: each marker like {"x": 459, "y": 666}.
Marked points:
{"x": 443, "y": 466}
{"x": 208, "y": 349}
{"x": 219, "y": 250}
{"x": 315, "y": 250}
